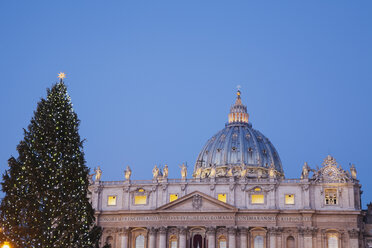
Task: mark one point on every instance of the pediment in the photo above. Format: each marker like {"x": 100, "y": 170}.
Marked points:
{"x": 197, "y": 202}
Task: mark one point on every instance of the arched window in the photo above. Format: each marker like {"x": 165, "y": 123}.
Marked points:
{"x": 222, "y": 242}
{"x": 332, "y": 241}
{"x": 173, "y": 241}
{"x": 258, "y": 242}
{"x": 110, "y": 240}
{"x": 140, "y": 241}
{"x": 290, "y": 242}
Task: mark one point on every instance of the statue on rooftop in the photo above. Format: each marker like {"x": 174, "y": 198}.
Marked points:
{"x": 155, "y": 172}
{"x": 213, "y": 172}
{"x": 98, "y": 172}
{"x": 353, "y": 172}
{"x": 165, "y": 171}
{"x": 305, "y": 171}
{"x": 127, "y": 173}
{"x": 183, "y": 171}
{"x": 198, "y": 172}
{"x": 272, "y": 171}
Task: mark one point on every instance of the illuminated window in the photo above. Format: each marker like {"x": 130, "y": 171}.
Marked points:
{"x": 140, "y": 200}
{"x": 258, "y": 242}
{"x": 141, "y": 190}
{"x": 330, "y": 197}
{"x": 140, "y": 241}
{"x": 258, "y": 199}
{"x": 332, "y": 241}
{"x": 173, "y": 197}
{"x": 173, "y": 242}
{"x": 222, "y": 243}
{"x": 222, "y": 197}
{"x": 111, "y": 201}
{"x": 289, "y": 199}
{"x": 257, "y": 189}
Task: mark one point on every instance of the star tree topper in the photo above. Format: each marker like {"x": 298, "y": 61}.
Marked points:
{"x": 61, "y": 76}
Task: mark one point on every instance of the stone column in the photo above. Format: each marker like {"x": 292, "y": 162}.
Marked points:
{"x": 211, "y": 234}
{"x": 272, "y": 237}
{"x": 300, "y": 237}
{"x": 308, "y": 234}
{"x": 123, "y": 238}
{"x": 152, "y": 237}
{"x": 278, "y": 239}
{"x": 232, "y": 234}
{"x": 353, "y": 238}
{"x": 182, "y": 238}
{"x": 163, "y": 237}
{"x": 243, "y": 237}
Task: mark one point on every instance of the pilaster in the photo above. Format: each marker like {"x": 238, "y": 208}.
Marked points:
{"x": 243, "y": 237}
{"x": 353, "y": 238}
{"x": 123, "y": 238}
{"x": 232, "y": 237}
{"x": 182, "y": 237}
{"x": 272, "y": 237}
{"x": 162, "y": 237}
{"x": 152, "y": 237}
{"x": 211, "y": 234}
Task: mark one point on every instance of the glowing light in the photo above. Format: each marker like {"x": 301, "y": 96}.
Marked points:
{"x": 111, "y": 200}
{"x": 222, "y": 197}
{"x": 140, "y": 200}
{"x": 289, "y": 199}
{"x": 6, "y": 245}
{"x": 258, "y": 199}
{"x": 173, "y": 197}
{"x": 61, "y": 75}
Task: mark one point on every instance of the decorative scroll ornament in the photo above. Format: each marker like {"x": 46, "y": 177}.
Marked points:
{"x": 197, "y": 202}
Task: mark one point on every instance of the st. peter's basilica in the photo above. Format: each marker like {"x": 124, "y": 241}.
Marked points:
{"x": 238, "y": 197}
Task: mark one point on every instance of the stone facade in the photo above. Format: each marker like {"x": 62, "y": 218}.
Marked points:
{"x": 308, "y": 222}
{"x": 238, "y": 198}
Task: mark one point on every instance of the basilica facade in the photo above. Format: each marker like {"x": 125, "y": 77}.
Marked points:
{"x": 238, "y": 197}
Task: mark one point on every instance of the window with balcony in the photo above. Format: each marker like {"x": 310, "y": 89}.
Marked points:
{"x": 330, "y": 196}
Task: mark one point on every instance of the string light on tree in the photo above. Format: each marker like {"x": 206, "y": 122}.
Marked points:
{"x": 46, "y": 186}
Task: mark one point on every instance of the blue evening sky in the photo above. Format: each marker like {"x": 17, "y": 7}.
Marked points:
{"x": 151, "y": 81}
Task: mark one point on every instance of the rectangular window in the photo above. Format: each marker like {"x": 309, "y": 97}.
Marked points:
{"x": 258, "y": 199}
{"x": 140, "y": 200}
{"x": 331, "y": 197}
{"x": 173, "y": 197}
{"x": 111, "y": 200}
{"x": 289, "y": 199}
{"x": 222, "y": 197}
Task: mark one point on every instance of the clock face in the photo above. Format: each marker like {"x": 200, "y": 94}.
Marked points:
{"x": 330, "y": 173}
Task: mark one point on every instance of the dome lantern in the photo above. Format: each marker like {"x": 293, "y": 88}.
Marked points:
{"x": 238, "y": 112}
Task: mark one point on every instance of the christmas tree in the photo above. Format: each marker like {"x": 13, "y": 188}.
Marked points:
{"x": 46, "y": 187}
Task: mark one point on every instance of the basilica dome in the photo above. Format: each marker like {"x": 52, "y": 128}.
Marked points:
{"x": 238, "y": 150}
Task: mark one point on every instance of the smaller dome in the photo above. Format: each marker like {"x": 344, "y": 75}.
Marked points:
{"x": 238, "y": 150}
